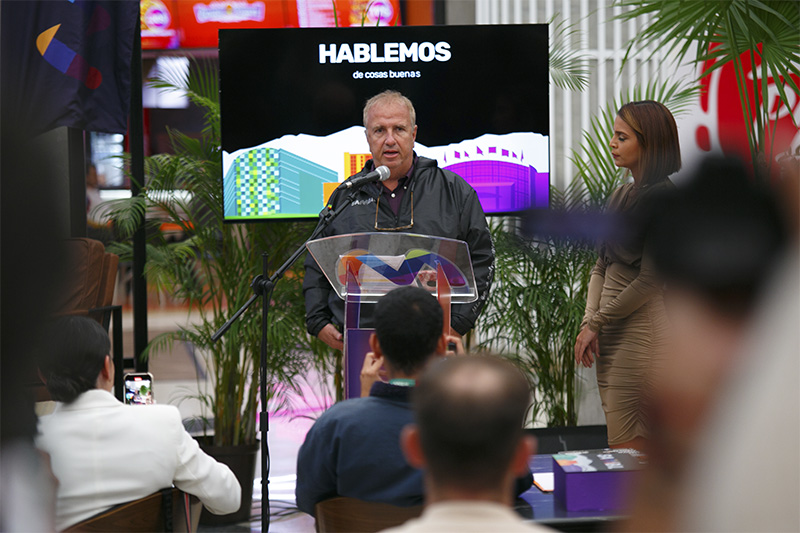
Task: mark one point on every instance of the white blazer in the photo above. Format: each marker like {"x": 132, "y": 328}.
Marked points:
{"x": 104, "y": 453}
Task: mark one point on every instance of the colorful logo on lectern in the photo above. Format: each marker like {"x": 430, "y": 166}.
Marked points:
{"x": 67, "y": 60}
{"x": 400, "y": 270}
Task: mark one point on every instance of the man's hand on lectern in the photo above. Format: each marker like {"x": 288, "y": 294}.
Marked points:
{"x": 331, "y": 336}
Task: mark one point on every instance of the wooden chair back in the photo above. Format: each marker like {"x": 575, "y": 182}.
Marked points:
{"x": 92, "y": 279}
{"x": 84, "y": 271}
{"x": 89, "y": 291}
{"x": 350, "y": 515}
{"x": 107, "y": 284}
{"x": 147, "y": 515}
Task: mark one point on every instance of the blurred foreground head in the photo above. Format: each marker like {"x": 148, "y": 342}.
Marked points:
{"x": 716, "y": 242}
{"x": 469, "y": 412}
{"x": 720, "y": 242}
{"x": 719, "y": 236}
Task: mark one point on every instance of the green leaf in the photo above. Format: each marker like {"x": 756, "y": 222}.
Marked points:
{"x": 733, "y": 27}
{"x": 568, "y": 67}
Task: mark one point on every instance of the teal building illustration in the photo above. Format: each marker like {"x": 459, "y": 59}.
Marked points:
{"x": 276, "y": 183}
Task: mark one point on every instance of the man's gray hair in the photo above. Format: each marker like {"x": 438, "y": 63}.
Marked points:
{"x": 393, "y": 96}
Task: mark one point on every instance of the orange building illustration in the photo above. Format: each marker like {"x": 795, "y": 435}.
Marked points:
{"x": 354, "y": 163}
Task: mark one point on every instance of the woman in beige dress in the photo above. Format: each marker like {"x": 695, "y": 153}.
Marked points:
{"x": 624, "y": 326}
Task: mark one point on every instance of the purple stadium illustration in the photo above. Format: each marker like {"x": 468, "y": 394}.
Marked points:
{"x": 503, "y": 179}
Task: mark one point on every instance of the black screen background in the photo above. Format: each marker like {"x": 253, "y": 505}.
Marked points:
{"x": 272, "y": 84}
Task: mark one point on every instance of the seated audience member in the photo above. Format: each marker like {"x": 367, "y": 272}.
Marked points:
{"x": 353, "y": 449}
{"x": 373, "y": 369}
{"x": 103, "y": 452}
{"x": 468, "y": 439}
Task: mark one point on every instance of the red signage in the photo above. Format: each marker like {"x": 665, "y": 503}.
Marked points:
{"x": 720, "y": 100}
{"x": 200, "y": 20}
{"x": 159, "y": 28}
{"x": 194, "y": 23}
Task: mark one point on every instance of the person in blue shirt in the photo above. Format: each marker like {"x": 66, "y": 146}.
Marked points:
{"x": 353, "y": 449}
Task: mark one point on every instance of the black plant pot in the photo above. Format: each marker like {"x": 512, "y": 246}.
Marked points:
{"x": 242, "y": 461}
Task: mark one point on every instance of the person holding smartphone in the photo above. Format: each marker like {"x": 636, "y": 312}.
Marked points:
{"x": 103, "y": 452}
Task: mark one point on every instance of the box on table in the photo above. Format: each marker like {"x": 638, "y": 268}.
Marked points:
{"x": 594, "y": 480}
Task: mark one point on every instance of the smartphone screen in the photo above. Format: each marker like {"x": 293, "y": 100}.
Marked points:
{"x": 139, "y": 388}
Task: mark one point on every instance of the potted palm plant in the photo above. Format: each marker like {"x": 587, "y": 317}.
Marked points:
{"x": 210, "y": 270}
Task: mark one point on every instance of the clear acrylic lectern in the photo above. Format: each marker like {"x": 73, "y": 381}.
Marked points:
{"x": 362, "y": 267}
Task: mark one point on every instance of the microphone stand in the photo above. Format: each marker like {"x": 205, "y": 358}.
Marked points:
{"x": 262, "y": 286}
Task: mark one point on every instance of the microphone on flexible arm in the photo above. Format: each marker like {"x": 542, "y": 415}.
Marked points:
{"x": 379, "y": 174}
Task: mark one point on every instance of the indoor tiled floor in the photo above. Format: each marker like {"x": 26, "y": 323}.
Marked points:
{"x": 287, "y": 428}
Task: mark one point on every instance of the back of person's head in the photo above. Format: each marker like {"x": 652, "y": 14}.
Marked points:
{"x": 719, "y": 235}
{"x": 408, "y": 324}
{"x": 657, "y": 134}
{"x": 469, "y": 411}
{"x": 74, "y": 356}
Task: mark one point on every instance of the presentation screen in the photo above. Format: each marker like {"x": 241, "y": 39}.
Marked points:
{"x": 292, "y": 102}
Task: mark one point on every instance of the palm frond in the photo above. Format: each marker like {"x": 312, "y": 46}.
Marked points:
{"x": 721, "y": 32}
{"x": 568, "y": 67}
{"x": 127, "y": 214}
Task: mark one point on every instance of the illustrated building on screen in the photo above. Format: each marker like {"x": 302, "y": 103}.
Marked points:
{"x": 274, "y": 182}
{"x": 501, "y": 177}
{"x": 353, "y": 163}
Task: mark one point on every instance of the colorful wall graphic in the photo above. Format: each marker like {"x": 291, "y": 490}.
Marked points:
{"x": 509, "y": 172}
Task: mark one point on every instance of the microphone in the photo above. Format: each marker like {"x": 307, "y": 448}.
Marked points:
{"x": 379, "y": 174}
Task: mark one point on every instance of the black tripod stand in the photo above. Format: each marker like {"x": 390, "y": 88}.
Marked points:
{"x": 263, "y": 285}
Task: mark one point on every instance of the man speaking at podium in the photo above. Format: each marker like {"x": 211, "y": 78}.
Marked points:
{"x": 417, "y": 197}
